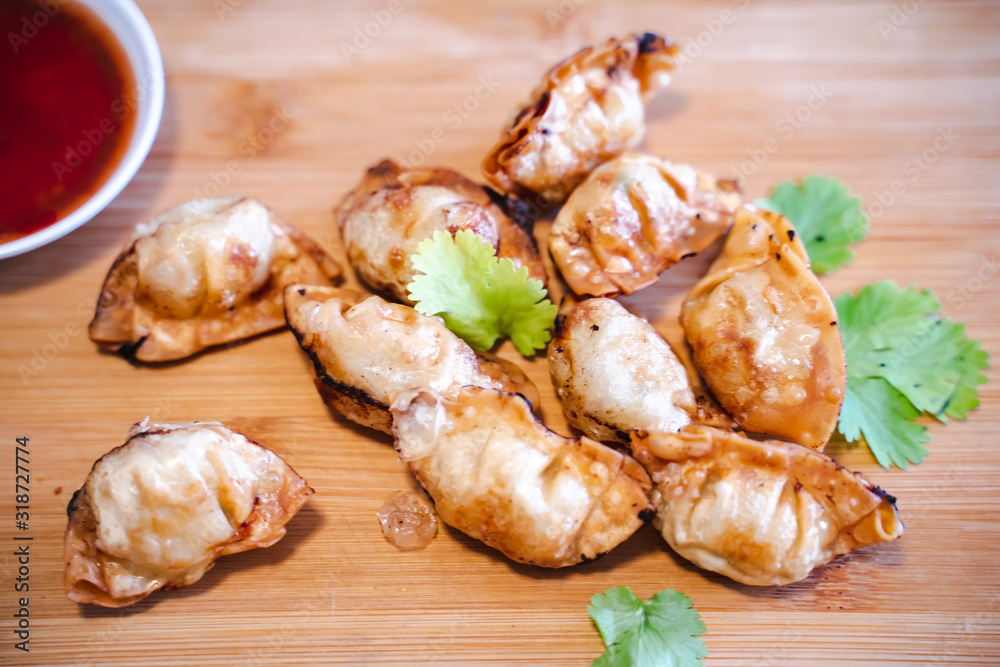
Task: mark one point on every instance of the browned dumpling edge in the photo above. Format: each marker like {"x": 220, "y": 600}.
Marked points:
{"x": 622, "y": 464}
{"x": 263, "y": 527}
{"x": 815, "y": 471}
{"x": 355, "y": 403}
{"x": 515, "y": 223}
{"x": 112, "y": 325}
{"x": 786, "y": 246}
{"x": 525, "y": 123}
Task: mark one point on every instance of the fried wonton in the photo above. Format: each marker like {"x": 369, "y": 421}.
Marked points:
{"x": 613, "y": 373}
{"x": 588, "y": 109}
{"x": 158, "y": 511}
{"x": 393, "y": 209}
{"x": 761, "y": 513}
{"x": 500, "y": 476}
{"x": 204, "y": 273}
{"x": 367, "y": 351}
{"x": 635, "y": 216}
{"x": 764, "y": 333}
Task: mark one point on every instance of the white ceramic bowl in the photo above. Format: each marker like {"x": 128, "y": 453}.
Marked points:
{"x": 136, "y": 38}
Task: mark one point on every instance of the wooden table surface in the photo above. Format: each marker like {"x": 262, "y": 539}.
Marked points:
{"x": 768, "y": 91}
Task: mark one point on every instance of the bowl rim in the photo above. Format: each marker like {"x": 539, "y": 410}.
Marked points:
{"x": 147, "y": 68}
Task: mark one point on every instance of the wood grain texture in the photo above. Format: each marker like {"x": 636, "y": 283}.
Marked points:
{"x": 333, "y": 591}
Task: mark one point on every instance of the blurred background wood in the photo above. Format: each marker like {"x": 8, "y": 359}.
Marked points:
{"x": 768, "y": 91}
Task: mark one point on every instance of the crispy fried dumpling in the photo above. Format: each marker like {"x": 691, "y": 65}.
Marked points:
{"x": 159, "y": 510}
{"x": 393, "y": 209}
{"x": 204, "y": 273}
{"x": 587, "y": 109}
{"x": 500, "y": 476}
{"x": 367, "y": 351}
{"x": 764, "y": 333}
{"x": 708, "y": 411}
{"x": 762, "y": 513}
{"x": 613, "y": 373}
{"x": 635, "y": 216}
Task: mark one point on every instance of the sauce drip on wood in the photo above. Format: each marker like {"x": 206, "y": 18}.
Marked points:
{"x": 408, "y": 520}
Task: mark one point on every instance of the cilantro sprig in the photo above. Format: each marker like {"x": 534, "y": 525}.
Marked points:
{"x": 663, "y": 632}
{"x": 903, "y": 360}
{"x": 480, "y": 297}
{"x": 826, "y": 216}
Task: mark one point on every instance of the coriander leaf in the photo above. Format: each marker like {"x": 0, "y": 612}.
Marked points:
{"x": 825, "y": 215}
{"x": 615, "y": 611}
{"x": 903, "y": 359}
{"x": 882, "y": 311}
{"x": 661, "y": 632}
{"x": 915, "y": 365}
{"x": 970, "y": 361}
{"x": 873, "y": 408}
{"x": 480, "y": 297}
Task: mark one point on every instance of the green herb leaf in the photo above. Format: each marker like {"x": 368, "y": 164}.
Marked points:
{"x": 903, "y": 360}
{"x": 825, "y": 215}
{"x": 873, "y": 408}
{"x": 662, "y": 632}
{"x": 970, "y": 361}
{"x": 480, "y": 297}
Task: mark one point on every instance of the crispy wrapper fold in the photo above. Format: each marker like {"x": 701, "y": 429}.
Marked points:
{"x": 764, "y": 333}
{"x": 393, "y": 209}
{"x": 499, "y": 475}
{"x": 764, "y": 513}
{"x": 156, "y": 512}
{"x": 613, "y": 373}
{"x": 201, "y": 274}
{"x": 366, "y": 351}
{"x": 587, "y": 109}
{"x": 632, "y": 218}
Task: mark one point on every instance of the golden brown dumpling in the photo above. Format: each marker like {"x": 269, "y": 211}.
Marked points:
{"x": 500, "y": 476}
{"x": 613, "y": 373}
{"x": 204, "y": 273}
{"x": 635, "y": 216}
{"x": 393, "y": 209}
{"x": 762, "y": 513}
{"x": 764, "y": 333}
{"x": 159, "y": 510}
{"x": 587, "y": 109}
{"x": 708, "y": 411}
{"x": 367, "y": 351}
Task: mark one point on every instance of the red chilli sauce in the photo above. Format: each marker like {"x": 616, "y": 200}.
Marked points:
{"x": 67, "y": 102}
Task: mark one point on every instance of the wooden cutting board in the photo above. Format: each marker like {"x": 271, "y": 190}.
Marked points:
{"x": 769, "y": 91}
